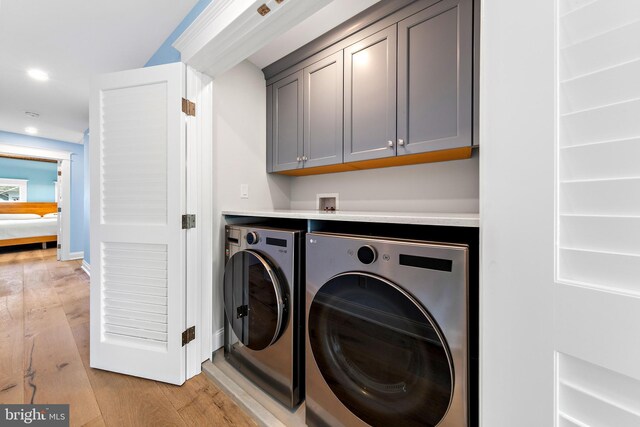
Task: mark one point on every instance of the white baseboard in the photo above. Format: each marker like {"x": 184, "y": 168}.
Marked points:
{"x": 218, "y": 339}
{"x": 86, "y": 267}
{"x": 76, "y": 255}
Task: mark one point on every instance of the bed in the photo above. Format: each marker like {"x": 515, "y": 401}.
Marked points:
{"x": 14, "y": 230}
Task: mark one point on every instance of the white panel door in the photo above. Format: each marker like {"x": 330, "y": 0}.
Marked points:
{"x": 137, "y": 241}
{"x": 560, "y": 213}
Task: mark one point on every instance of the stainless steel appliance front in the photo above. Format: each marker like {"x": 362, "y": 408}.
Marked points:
{"x": 386, "y": 332}
{"x": 264, "y": 309}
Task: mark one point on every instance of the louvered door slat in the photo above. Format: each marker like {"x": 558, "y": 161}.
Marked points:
{"x": 596, "y": 300}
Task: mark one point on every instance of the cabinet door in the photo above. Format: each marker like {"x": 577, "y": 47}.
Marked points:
{"x": 370, "y": 97}
{"x": 435, "y": 51}
{"x": 323, "y": 112}
{"x": 287, "y": 123}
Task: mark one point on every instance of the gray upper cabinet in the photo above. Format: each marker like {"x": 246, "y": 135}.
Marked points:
{"x": 390, "y": 92}
{"x": 435, "y": 51}
{"x": 370, "y": 97}
{"x": 323, "y": 112}
{"x": 287, "y": 122}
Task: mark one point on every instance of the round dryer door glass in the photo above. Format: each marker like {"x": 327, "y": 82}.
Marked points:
{"x": 254, "y": 301}
{"x": 380, "y": 352}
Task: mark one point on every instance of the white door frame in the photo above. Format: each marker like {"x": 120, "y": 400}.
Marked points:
{"x": 64, "y": 161}
{"x": 199, "y": 202}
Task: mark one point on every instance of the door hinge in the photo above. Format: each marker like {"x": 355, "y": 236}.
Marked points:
{"x": 59, "y": 173}
{"x": 188, "y": 335}
{"x": 188, "y": 107}
{"x": 59, "y": 246}
{"x": 188, "y": 221}
{"x": 59, "y": 209}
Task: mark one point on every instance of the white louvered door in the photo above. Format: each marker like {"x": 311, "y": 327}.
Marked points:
{"x": 137, "y": 242}
{"x": 597, "y": 297}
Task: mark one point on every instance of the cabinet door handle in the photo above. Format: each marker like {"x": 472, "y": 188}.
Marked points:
{"x": 401, "y": 142}
{"x": 390, "y": 144}
{"x": 304, "y": 158}
{"x": 299, "y": 158}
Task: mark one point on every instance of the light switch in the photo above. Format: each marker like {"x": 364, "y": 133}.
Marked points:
{"x": 244, "y": 191}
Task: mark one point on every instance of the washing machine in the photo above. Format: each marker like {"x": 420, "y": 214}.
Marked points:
{"x": 264, "y": 308}
{"x": 386, "y": 332}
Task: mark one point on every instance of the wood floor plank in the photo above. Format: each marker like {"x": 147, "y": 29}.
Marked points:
{"x": 181, "y": 396}
{"x": 54, "y": 372}
{"x": 125, "y": 400}
{"x": 41, "y": 297}
{"x": 199, "y": 402}
{"x": 96, "y": 422}
{"x": 11, "y": 349}
{"x": 61, "y": 270}
{"x": 73, "y": 294}
{"x": 44, "y": 356}
{"x": 216, "y": 411}
{"x": 11, "y": 279}
{"x": 39, "y": 319}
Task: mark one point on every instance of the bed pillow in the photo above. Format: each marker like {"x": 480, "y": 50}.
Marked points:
{"x": 20, "y": 216}
{"x": 50, "y": 215}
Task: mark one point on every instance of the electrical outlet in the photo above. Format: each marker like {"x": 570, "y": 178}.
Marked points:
{"x": 244, "y": 191}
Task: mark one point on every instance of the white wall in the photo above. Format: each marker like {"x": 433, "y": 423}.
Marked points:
{"x": 432, "y": 187}
{"x": 239, "y": 157}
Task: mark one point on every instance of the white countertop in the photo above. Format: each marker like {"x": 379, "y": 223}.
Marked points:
{"x": 417, "y": 218}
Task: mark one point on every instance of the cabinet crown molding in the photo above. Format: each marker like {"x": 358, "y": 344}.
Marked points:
{"x": 229, "y": 31}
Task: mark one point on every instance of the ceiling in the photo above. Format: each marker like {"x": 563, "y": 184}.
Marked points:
{"x": 314, "y": 26}
{"x": 73, "y": 40}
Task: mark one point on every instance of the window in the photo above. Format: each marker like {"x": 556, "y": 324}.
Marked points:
{"x": 13, "y": 190}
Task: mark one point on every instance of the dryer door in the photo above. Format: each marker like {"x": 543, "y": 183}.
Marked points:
{"x": 380, "y": 352}
{"x": 254, "y": 300}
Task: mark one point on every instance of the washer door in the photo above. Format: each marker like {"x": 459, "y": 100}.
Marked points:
{"x": 255, "y": 302}
{"x": 380, "y": 352}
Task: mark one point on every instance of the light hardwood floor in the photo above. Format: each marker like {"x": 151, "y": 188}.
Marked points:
{"x": 44, "y": 356}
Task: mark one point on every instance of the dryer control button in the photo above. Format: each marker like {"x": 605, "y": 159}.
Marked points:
{"x": 367, "y": 254}
{"x": 252, "y": 238}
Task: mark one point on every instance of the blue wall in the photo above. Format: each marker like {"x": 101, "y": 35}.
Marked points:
{"x": 166, "y": 54}
{"x": 77, "y": 172}
{"x": 41, "y": 176}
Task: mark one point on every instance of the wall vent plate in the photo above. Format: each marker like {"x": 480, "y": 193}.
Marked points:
{"x": 327, "y": 202}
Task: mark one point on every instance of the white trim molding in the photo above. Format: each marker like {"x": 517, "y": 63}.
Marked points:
{"x": 86, "y": 267}
{"x": 34, "y": 152}
{"x": 228, "y": 32}
{"x": 217, "y": 340}
{"x": 76, "y": 255}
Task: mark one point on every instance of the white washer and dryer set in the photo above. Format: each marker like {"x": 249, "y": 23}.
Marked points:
{"x": 366, "y": 331}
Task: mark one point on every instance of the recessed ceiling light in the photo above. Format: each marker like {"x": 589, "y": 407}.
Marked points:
{"x": 31, "y": 130}
{"x": 38, "y": 75}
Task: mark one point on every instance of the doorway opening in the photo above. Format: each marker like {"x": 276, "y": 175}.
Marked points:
{"x": 45, "y": 219}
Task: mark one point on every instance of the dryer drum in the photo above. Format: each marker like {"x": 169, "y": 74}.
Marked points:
{"x": 380, "y": 352}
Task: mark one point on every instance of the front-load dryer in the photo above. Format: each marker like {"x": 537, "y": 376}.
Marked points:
{"x": 264, "y": 308}
{"x": 386, "y": 332}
